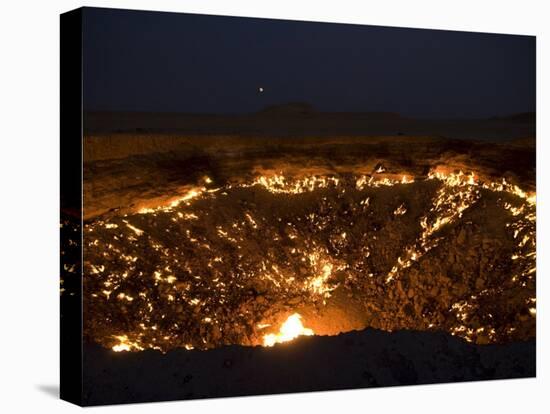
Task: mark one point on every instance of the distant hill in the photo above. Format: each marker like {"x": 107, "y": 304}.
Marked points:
{"x": 296, "y": 108}
{"x": 292, "y": 109}
{"x": 519, "y": 117}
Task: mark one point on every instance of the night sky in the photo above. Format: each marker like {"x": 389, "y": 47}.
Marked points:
{"x": 150, "y": 61}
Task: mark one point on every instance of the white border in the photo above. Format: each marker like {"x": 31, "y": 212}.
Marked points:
{"x": 29, "y": 95}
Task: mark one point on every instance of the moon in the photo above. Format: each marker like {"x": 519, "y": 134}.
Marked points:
{"x": 260, "y": 89}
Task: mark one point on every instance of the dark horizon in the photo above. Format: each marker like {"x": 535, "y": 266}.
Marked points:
{"x": 139, "y": 61}
{"x": 527, "y": 115}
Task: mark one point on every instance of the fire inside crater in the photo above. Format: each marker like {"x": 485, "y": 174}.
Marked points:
{"x": 291, "y": 329}
{"x": 219, "y": 264}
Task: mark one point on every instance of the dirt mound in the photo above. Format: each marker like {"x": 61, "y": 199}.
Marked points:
{"x": 357, "y": 359}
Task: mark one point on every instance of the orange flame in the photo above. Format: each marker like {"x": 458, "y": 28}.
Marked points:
{"x": 290, "y": 329}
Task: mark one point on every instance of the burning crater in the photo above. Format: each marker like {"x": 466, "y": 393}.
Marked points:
{"x": 265, "y": 261}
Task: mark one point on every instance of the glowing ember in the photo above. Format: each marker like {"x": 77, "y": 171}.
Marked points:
{"x": 125, "y": 344}
{"x": 291, "y": 329}
{"x": 318, "y": 284}
{"x": 139, "y": 232}
{"x": 189, "y": 195}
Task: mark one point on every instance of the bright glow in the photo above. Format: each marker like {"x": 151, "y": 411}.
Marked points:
{"x": 125, "y": 344}
{"x": 291, "y": 329}
{"x": 318, "y": 284}
{"x": 139, "y": 232}
{"x": 189, "y": 195}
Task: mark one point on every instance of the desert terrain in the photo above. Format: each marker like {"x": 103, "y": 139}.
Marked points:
{"x": 391, "y": 238}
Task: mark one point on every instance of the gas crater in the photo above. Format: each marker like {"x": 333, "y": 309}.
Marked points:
{"x": 265, "y": 261}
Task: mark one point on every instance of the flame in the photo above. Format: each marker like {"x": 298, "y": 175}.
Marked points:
{"x": 318, "y": 285}
{"x": 125, "y": 344}
{"x": 290, "y": 329}
{"x": 189, "y": 195}
{"x": 278, "y": 183}
{"x": 139, "y": 232}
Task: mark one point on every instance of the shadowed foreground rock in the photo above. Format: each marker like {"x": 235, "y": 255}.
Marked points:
{"x": 367, "y": 358}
